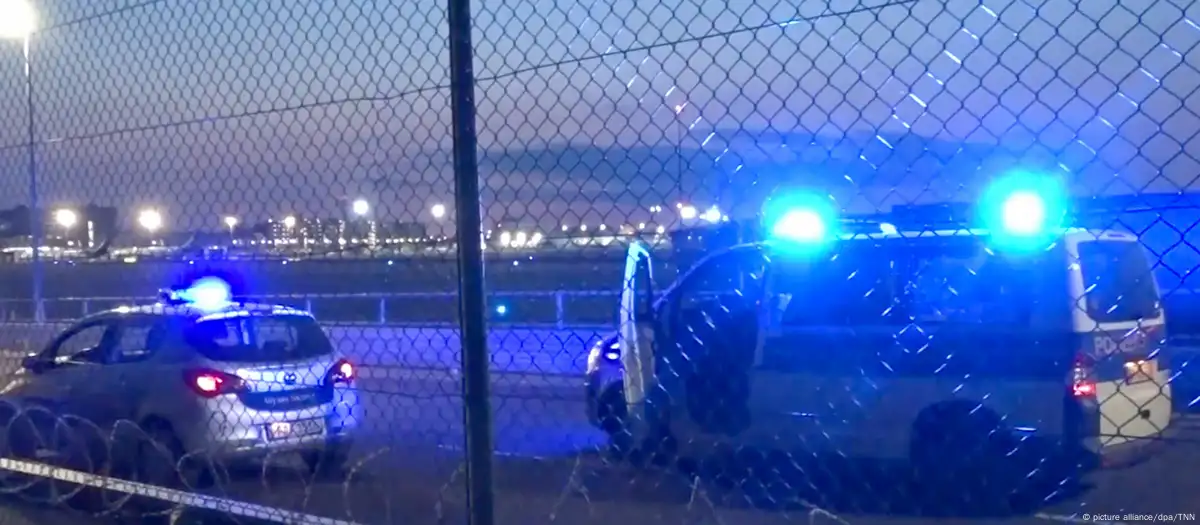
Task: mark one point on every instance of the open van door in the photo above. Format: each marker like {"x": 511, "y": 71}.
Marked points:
{"x": 637, "y": 337}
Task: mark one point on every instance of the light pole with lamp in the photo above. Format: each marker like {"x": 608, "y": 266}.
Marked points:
{"x": 231, "y": 222}
{"x": 150, "y": 220}
{"x": 18, "y": 21}
{"x": 66, "y": 219}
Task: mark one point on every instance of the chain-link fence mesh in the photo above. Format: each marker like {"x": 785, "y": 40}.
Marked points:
{"x": 756, "y": 262}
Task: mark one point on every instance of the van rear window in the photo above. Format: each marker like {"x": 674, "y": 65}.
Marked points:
{"x": 1118, "y": 281}
{"x": 251, "y": 338}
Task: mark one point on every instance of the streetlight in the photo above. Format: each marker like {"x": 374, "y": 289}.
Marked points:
{"x": 360, "y": 207}
{"x": 687, "y": 212}
{"x": 66, "y": 218}
{"x": 231, "y": 222}
{"x": 438, "y": 211}
{"x": 289, "y": 222}
{"x": 18, "y": 21}
{"x": 151, "y": 220}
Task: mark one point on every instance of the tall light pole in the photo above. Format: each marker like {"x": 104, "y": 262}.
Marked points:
{"x": 18, "y": 21}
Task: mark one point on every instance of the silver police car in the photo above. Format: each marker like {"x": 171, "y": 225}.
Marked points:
{"x": 219, "y": 380}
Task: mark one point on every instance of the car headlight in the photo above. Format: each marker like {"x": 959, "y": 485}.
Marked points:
{"x": 603, "y": 351}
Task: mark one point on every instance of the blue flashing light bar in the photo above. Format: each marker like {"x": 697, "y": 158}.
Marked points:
{"x": 206, "y": 293}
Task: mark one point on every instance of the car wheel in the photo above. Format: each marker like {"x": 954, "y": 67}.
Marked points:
{"x": 611, "y": 414}
{"x": 161, "y": 459}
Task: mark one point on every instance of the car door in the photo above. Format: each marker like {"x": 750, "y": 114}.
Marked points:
{"x": 72, "y": 364}
{"x": 129, "y": 374}
{"x": 637, "y": 337}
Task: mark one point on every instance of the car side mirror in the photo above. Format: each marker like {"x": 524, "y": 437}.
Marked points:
{"x": 35, "y": 364}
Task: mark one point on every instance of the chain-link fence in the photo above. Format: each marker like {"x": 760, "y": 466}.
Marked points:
{"x": 753, "y": 262}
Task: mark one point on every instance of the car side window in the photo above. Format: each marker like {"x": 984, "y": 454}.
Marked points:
{"x": 136, "y": 340}
{"x": 84, "y": 343}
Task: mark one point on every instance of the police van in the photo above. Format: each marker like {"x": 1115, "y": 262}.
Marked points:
{"x": 1024, "y": 346}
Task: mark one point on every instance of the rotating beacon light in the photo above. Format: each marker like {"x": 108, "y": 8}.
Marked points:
{"x": 206, "y": 293}
{"x": 800, "y": 220}
{"x": 1024, "y": 211}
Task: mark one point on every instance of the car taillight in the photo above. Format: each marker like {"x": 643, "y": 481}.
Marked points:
{"x": 213, "y": 383}
{"x": 1082, "y": 384}
{"x": 342, "y": 372}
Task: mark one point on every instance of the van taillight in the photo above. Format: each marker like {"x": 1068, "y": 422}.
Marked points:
{"x": 213, "y": 383}
{"x": 1082, "y": 384}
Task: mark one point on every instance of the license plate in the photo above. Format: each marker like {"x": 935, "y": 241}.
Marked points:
{"x": 1140, "y": 371}
{"x": 295, "y": 429}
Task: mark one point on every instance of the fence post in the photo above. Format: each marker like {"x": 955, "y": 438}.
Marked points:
{"x": 87, "y": 307}
{"x": 35, "y": 215}
{"x": 382, "y": 310}
{"x": 477, "y": 410}
{"x": 560, "y": 313}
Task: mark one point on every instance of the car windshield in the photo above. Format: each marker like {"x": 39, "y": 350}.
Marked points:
{"x": 250, "y": 338}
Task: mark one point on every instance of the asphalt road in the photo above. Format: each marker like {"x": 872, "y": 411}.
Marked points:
{"x": 548, "y": 468}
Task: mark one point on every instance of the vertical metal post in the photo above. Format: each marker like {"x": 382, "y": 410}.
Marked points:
{"x": 477, "y": 409}
{"x": 35, "y": 209}
{"x": 560, "y": 313}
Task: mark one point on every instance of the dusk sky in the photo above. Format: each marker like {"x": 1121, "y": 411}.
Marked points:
{"x": 594, "y": 111}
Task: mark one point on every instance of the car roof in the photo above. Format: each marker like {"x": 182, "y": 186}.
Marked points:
{"x": 1070, "y": 234}
{"x": 188, "y": 311}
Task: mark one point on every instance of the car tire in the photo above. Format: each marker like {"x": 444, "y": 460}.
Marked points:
{"x": 659, "y": 449}
{"x": 162, "y": 460}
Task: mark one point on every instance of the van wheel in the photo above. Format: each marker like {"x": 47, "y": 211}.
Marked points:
{"x": 960, "y": 458}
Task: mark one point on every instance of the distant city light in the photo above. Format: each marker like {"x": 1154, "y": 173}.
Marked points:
{"x": 713, "y": 214}
{"x": 360, "y": 207}
{"x": 231, "y": 222}
{"x": 289, "y": 222}
{"x": 150, "y": 219}
{"x": 66, "y": 218}
{"x": 438, "y": 211}
{"x": 687, "y": 212}
{"x": 501, "y": 309}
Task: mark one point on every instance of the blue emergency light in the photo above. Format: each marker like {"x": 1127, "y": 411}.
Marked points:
{"x": 206, "y": 293}
{"x": 1023, "y": 211}
{"x": 801, "y": 220}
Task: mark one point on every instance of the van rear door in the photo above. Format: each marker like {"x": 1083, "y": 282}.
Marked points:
{"x": 1119, "y": 316}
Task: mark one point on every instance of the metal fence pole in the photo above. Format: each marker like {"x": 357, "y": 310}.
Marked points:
{"x": 35, "y": 215}
{"x": 477, "y": 410}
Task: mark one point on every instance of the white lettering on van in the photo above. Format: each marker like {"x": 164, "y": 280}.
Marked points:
{"x": 1105, "y": 344}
